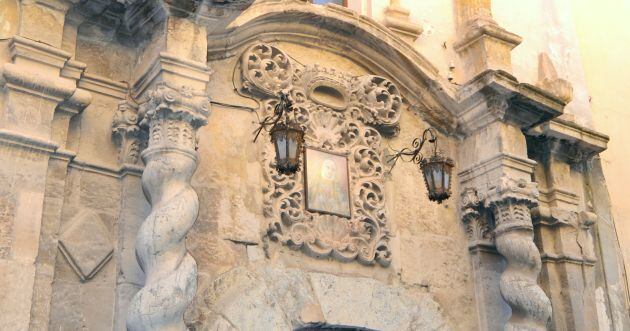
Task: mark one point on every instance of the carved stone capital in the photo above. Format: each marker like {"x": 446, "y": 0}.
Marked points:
{"x": 511, "y": 190}
{"x": 172, "y": 103}
{"x": 476, "y": 220}
{"x": 173, "y": 115}
{"x": 127, "y": 132}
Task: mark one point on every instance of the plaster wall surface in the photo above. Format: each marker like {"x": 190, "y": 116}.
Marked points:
{"x": 604, "y": 39}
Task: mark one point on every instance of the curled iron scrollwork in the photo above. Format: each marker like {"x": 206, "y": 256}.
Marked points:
{"x": 348, "y": 121}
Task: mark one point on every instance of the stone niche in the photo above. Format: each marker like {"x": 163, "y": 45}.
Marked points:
{"x": 342, "y": 114}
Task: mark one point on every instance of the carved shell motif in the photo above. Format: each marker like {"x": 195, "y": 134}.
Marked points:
{"x": 341, "y": 114}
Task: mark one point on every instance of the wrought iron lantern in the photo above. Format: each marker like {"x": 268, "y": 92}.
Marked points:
{"x": 287, "y": 136}
{"x": 436, "y": 169}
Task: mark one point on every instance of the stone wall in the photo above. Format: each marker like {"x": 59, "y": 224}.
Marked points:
{"x": 107, "y": 108}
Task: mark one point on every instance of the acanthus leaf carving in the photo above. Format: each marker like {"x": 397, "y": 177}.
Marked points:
{"x": 341, "y": 114}
{"x": 126, "y": 130}
{"x": 478, "y": 227}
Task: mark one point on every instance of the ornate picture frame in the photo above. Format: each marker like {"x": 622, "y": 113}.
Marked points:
{"x": 341, "y": 113}
{"x": 334, "y": 184}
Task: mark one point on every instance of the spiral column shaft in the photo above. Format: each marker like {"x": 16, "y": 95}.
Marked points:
{"x": 173, "y": 116}
{"x": 510, "y": 202}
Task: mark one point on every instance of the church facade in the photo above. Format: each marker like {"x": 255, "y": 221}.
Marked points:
{"x": 135, "y": 197}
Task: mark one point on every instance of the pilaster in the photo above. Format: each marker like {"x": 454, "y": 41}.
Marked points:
{"x": 565, "y": 221}
{"x": 481, "y": 43}
{"x": 38, "y": 96}
{"x": 497, "y": 194}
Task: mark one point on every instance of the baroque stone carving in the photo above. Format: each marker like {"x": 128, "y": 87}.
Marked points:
{"x": 478, "y": 227}
{"x": 127, "y": 132}
{"x": 340, "y": 113}
{"x": 86, "y": 244}
{"x": 173, "y": 116}
{"x": 510, "y": 201}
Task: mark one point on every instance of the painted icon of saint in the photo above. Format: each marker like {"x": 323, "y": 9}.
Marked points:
{"x": 327, "y": 189}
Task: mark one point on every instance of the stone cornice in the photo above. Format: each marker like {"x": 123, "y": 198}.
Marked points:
{"x": 23, "y": 48}
{"x": 497, "y": 96}
{"x": 581, "y": 141}
{"x": 50, "y": 87}
{"x": 486, "y": 29}
{"x": 502, "y": 163}
{"x": 22, "y": 141}
{"x": 359, "y": 38}
{"x": 102, "y": 85}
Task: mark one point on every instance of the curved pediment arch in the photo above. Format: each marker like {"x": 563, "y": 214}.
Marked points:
{"x": 343, "y": 32}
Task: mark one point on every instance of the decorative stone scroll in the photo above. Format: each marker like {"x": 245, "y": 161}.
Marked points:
{"x": 173, "y": 116}
{"x": 342, "y": 114}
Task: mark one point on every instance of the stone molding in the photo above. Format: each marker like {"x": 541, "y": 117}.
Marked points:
{"x": 497, "y": 96}
{"x": 581, "y": 222}
{"x": 397, "y": 19}
{"x": 348, "y": 125}
{"x": 495, "y": 166}
{"x": 173, "y": 116}
{"x": 356, "y": 37}
{"x": 170, "y": 64}
{"x": 574, "y": 143}
{"x": 104, "y": 86}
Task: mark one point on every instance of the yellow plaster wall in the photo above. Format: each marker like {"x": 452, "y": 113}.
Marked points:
{"x": 604, "y": 38}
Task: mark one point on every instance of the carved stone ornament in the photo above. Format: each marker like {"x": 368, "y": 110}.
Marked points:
{"x": 510, "y": 201}
{"x": 341, "y": 114}
{"x": 86, "y": 244}
{"x": 127, "y": 132}
{"x": 173, "y": 116}
{"x": 478, "y": 227}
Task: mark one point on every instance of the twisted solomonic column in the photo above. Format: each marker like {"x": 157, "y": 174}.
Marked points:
{"x": 510, "y": 201}
{"x": 173, "y": 116}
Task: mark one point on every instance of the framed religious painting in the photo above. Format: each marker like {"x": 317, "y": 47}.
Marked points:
{"x": 326, "y": 182}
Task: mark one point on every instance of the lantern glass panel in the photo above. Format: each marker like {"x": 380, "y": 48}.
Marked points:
{"x": 281, "y": 147}
{"x": 437, "y": 178}
{"x": 292, "y": 146}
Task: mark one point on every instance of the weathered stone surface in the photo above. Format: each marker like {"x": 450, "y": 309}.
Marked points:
{"x": 86, "y": 244}
{"x": 262, "y": 297}
{"x": 67, "y": 66}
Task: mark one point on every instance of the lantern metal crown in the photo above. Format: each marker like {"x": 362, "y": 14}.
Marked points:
{"x": 436, "y": 168}
{"x": 287, "y": 136}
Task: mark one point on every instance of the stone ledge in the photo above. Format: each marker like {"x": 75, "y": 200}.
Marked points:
{"x": 19, "y": 140}
{"x": 587, "y": 140}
